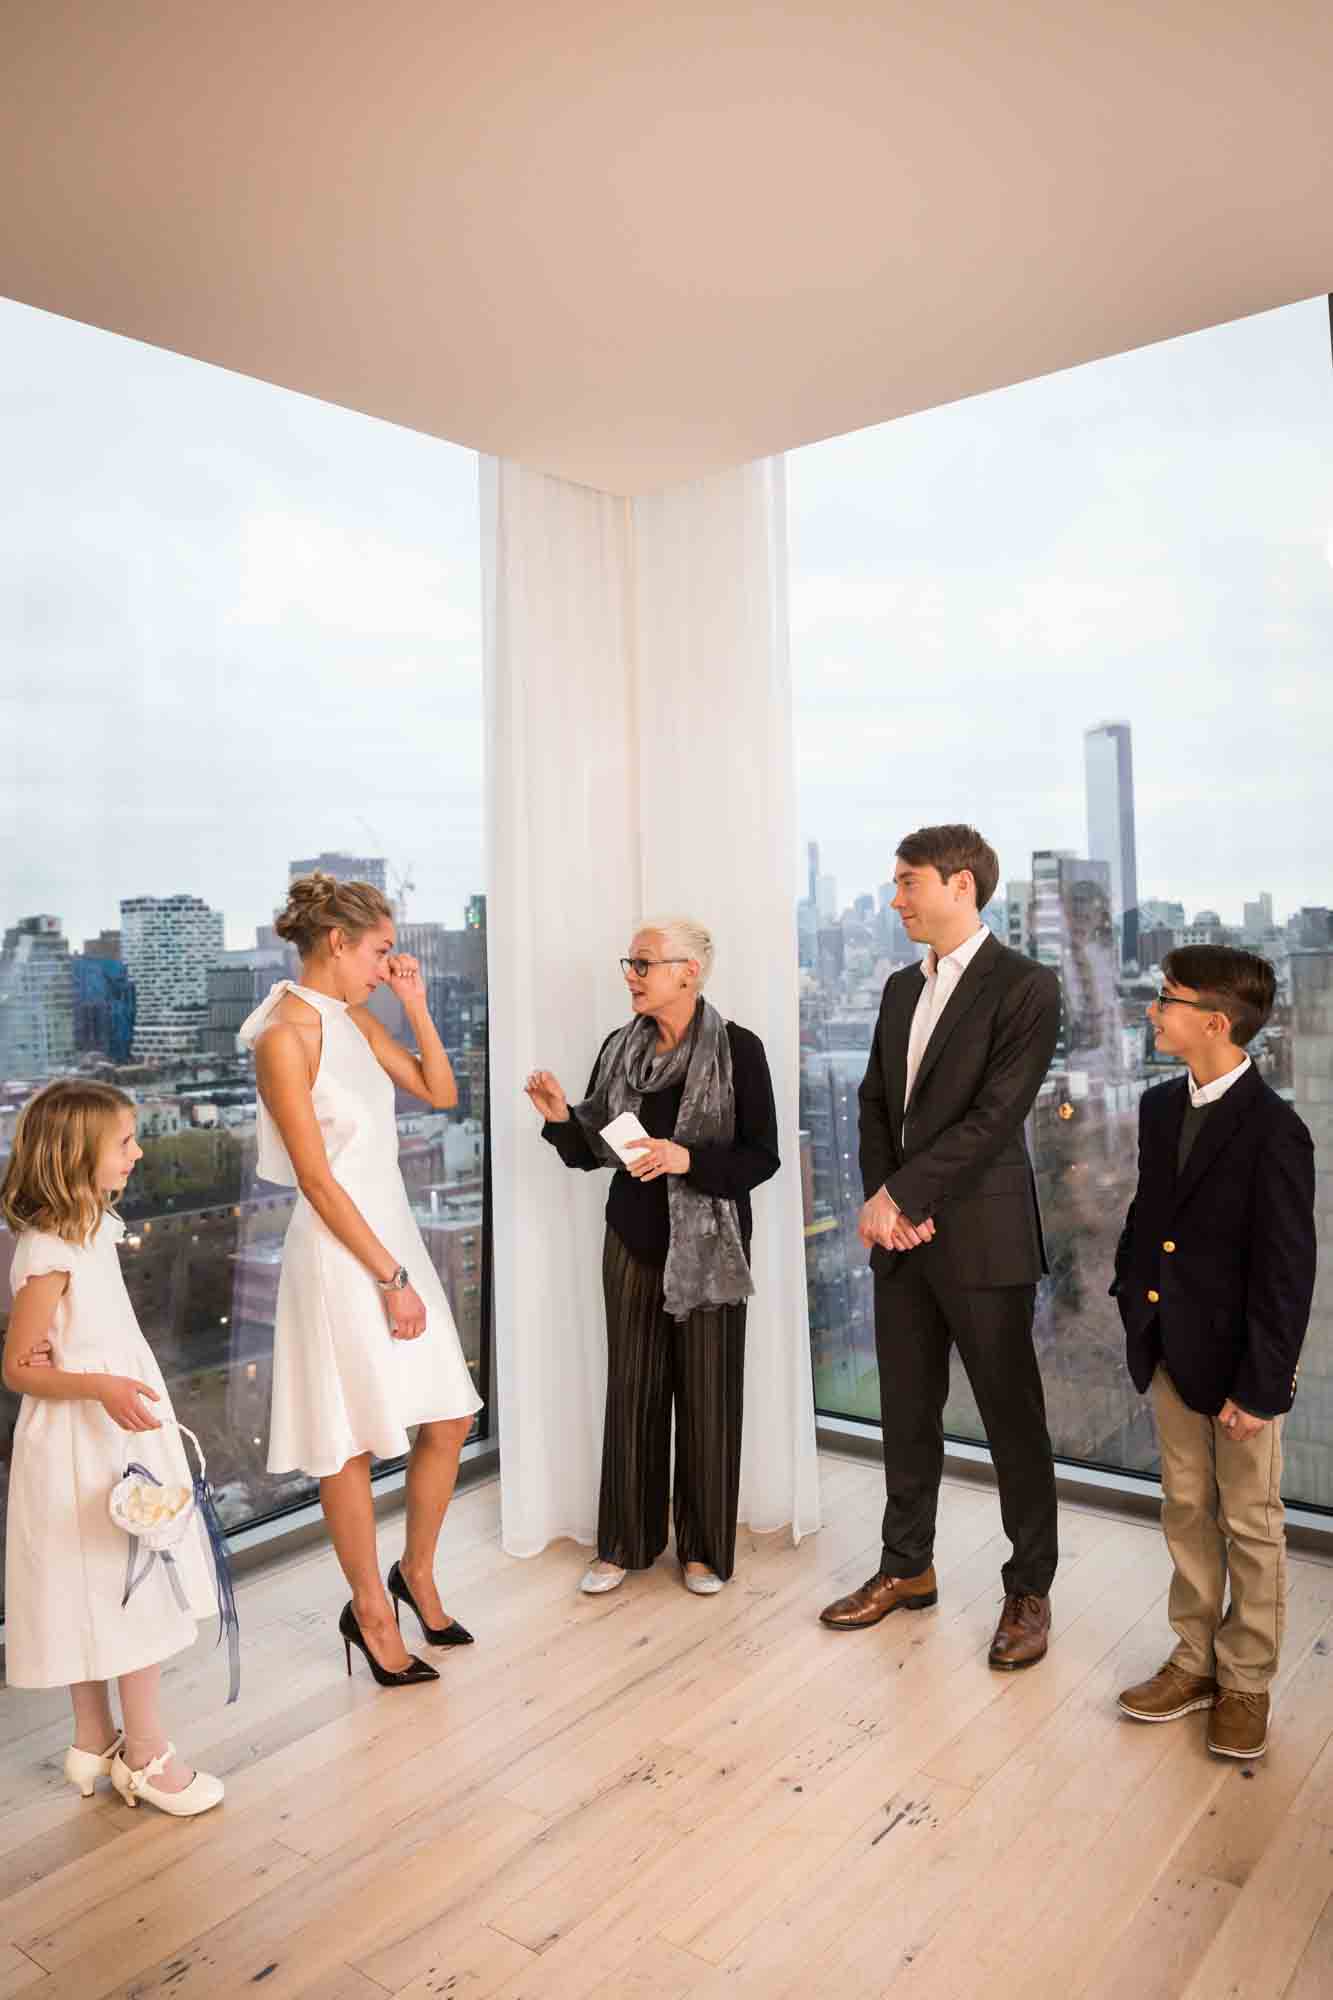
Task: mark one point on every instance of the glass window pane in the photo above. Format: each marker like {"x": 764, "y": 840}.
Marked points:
{"x": 242, "y": 636}
{"x": 981, "y": 596}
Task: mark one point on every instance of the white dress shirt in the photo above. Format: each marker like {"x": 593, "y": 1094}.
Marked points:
{"x": 940, "y": 977}
{"x": 1209, "y": 1092}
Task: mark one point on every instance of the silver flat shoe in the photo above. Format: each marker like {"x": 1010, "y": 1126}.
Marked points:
{"x": 703, "y": 1586}
{"x": 597, "y": 1582}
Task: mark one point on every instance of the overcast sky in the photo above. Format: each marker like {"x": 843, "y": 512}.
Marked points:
{"x": 239, "y": 625}
{"x": 1147, "y": 539}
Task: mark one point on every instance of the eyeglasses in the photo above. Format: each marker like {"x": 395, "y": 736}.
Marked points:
{"x": 641, "y": 967}
{"x": 1174, "y": 1000}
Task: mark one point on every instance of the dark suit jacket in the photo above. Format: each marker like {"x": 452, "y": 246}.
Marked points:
{"x": 1215, "y": 1268}
{"x": 963, "y": 1159}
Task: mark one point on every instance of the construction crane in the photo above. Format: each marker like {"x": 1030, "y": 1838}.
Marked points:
{"x": 401, "y": 884}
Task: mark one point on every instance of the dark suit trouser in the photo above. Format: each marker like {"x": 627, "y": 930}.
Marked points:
{"x": 920, "y": 1312}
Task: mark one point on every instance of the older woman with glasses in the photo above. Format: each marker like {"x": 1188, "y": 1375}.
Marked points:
{"x": 675, "y": 1267}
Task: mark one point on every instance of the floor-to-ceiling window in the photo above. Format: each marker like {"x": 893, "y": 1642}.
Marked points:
{"x": 1093, "y": 615}
{"x": 241, "y": 637}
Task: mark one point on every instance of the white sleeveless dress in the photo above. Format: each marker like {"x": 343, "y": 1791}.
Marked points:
{"x": 341, "y": 1384}
{"x": 65, "y": 1558}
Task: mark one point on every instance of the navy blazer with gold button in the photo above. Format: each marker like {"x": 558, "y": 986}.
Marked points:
{"x": 1215, "y": 1267}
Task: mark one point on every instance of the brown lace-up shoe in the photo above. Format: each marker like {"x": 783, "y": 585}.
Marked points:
{"x": 1170, "y": 1694}
{"x": 1023, "y": 1632}
{"x": 1238, "y": 1725}
{"x": 877, "y": 1597}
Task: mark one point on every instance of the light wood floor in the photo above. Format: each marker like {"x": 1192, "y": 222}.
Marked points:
{"x": 652, "y": 1796}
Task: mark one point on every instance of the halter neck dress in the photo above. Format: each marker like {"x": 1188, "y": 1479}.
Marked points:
{"x": 341, "y": 1384}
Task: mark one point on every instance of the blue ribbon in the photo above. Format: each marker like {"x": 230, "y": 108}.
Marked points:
{"x": 228, "y": 1621}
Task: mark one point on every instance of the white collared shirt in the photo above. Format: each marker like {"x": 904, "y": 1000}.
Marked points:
{"x": 940, "y": 977}
{"x": 1210, "y": 1092}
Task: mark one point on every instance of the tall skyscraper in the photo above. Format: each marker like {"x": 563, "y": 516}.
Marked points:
{"x": 169, "y": 942}
{"x": 1109, "y": 763}
{"x": 1018, "y": 917}
{"x": 1073, "y": 934}
{"x": 1258, "y": 918}
{"x": 36, "y": 999}
{"x": 103, "y": 1005}
{"x": 344, "y": 868}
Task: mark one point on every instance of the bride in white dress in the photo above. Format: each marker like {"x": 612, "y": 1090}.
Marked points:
{"x": 364, "y": 1344}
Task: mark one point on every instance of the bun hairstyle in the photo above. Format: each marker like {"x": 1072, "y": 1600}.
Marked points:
{"x": 320, "y": 903}
{"x": 51, "y": 1180}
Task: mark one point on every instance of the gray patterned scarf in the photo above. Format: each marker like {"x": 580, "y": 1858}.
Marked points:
{"x": 705, "y": 1265}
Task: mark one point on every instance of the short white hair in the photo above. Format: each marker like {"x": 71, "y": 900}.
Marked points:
{"x": 684, "y": 937}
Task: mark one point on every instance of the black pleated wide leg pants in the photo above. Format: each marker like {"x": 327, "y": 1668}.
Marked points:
{"x": 653, "y": 1363}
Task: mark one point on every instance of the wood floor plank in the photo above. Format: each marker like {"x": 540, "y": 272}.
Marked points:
{"x": 280, "y": 1941}
{"x": 161, "y": 1916}
{"x": 651, "y": 1796}
{"x": 475, "y": 1966}
{"x": 1271, "y": 1923}
{"x": 1313, "y": 1977}
{"x": 18, "y": 1973}
{"x": 1158, "y": 1952}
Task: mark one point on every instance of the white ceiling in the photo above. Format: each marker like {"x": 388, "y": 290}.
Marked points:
{"x": 628, "y": 243}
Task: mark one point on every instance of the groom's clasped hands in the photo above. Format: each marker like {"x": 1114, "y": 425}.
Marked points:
{"x": 883, "y": 1223}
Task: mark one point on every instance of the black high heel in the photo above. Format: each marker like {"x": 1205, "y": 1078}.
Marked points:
{"x": 452, "y": 1634}
{"x": 409, "y": 1676}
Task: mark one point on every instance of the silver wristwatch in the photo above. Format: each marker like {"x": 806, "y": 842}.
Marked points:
{"x": 397, "y": 1283}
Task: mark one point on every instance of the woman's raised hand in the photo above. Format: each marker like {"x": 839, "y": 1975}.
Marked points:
{"x": 547, "y": 1097}
{"x": 407, "y": 1314}
{"x": 405, "y": 980}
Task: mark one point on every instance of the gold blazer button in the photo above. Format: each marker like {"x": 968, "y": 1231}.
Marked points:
{"x": 1153, "y": 1297}
{"x": 1169, "y": 1247}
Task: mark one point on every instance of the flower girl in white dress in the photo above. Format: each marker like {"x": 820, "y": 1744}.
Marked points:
{"x": 75, "y": 1354}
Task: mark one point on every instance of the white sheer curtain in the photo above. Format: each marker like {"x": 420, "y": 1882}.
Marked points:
{"x": 718, "y": 834}
{"x": 639, "y": 758}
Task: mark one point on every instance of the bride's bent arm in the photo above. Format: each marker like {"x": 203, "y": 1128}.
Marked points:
{"x": 429, "y": 1075}
{"x": 284, "y": 1085}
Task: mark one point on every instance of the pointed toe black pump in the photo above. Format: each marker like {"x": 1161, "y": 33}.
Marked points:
{"x": 411, "y": 1675}
{"x": 452, "y": 1634}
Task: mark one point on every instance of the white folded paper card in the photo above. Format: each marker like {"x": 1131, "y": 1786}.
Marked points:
{"x": 619, "y": 1133}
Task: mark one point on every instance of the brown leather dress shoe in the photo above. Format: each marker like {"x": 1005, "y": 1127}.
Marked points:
{"x": 1022, "y": 1633}
{"x": 1170, "y": 1694}
{"x": 1238, "y": 1725}
{"x": 877, "y": 1597}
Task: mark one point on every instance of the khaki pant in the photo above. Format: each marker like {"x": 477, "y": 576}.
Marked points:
{"x": 1222, "y": 1517}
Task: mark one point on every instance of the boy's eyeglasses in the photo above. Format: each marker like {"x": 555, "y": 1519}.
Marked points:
{"x": 1175, "y": 1000}
{"x": 641, "y": 967}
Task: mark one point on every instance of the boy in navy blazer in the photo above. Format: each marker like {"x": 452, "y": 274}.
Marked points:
{"x": 1214, "y": 1274}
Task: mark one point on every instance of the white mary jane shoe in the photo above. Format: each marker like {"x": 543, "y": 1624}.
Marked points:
{"x": 596, "y": 1582}
{"x": 202, "y": 1793}
{"x": 84, "y": 1767}
{"x": 707, "y": 1585}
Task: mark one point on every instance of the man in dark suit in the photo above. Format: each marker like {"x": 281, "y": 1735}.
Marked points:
{"x": 1214, "y": 1274}
{"x": 962, "y": 1045}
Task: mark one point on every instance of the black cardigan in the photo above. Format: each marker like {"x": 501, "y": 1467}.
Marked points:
{"x": 637, "y": 1210}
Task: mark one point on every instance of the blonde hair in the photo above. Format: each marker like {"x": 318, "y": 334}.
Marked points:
{"x": 684, "y": 937}
{"x": 320, "y": 903}
{"x": 51, "y": 1180}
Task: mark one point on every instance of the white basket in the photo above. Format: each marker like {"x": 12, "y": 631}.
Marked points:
{"x": 135, "y": 1496}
